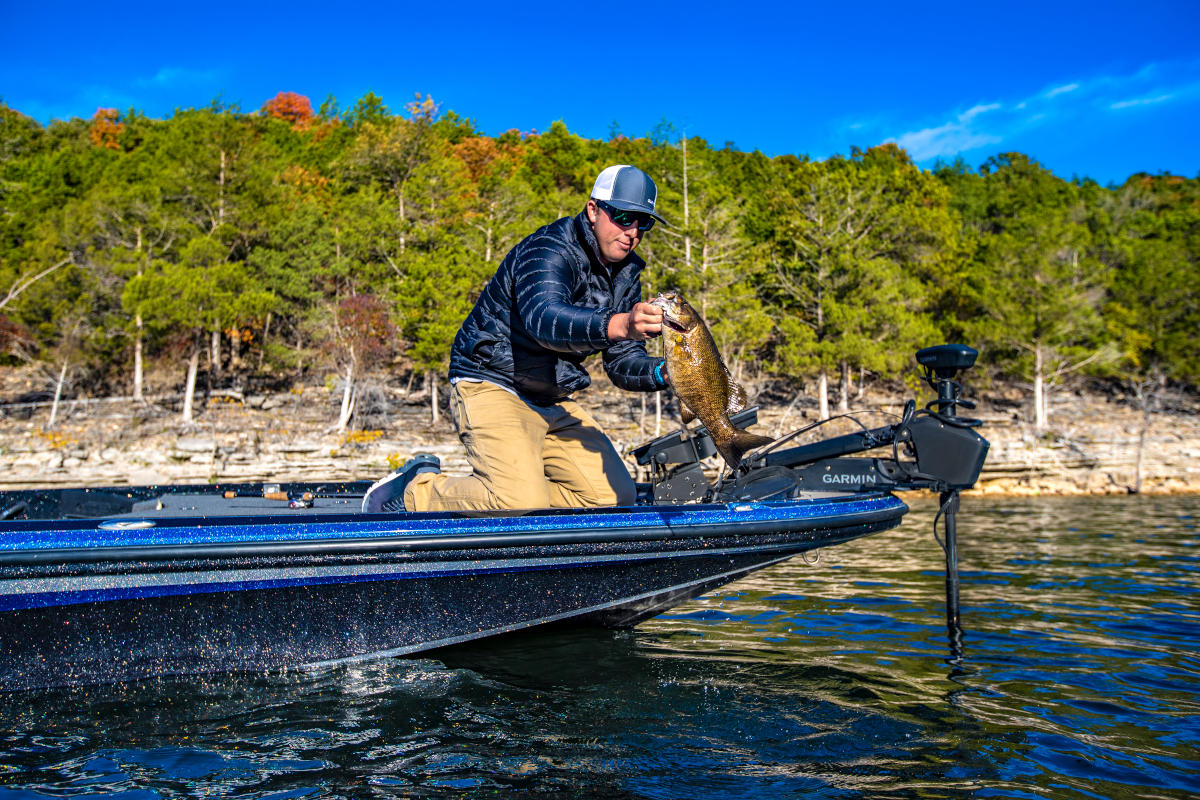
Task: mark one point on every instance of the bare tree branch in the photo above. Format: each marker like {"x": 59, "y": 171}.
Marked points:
{"x": 24, "y": 283}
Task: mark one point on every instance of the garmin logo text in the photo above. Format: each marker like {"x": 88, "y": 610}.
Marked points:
{"x": 829, "y": 478}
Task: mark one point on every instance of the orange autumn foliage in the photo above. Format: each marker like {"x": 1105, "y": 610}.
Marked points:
{"x": 298, "y": 176}
{"x": 477, "y": 153}
{"x": 482, "y": 155}
{"x": 309, "y": 184}
{"x": 105, "y": 129}
{"x": 290, "y": 107}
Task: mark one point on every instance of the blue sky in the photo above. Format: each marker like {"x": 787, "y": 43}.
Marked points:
{"x": 1099, "y": 89}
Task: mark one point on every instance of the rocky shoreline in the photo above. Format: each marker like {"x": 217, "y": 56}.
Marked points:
{"x": 1092, "y": 447}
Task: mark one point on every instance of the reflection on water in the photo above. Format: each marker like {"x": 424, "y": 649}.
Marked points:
{"x": 1081, "y": 679}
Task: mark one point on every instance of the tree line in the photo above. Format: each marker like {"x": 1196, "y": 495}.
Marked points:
{"x": 277, "y": 243}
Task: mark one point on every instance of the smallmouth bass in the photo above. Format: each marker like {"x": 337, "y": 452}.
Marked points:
{"x": 701, "y": 380}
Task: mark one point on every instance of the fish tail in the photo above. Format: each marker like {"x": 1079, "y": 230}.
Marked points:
{"x": 736, "y": 447}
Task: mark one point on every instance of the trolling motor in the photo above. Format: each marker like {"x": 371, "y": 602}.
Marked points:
{"x": 932, "y": 448}
{"x": 942, "y": 365}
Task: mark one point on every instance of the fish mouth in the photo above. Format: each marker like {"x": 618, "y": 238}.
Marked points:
{"x": 673, "y": 324}
{"x": 670, "y": 320}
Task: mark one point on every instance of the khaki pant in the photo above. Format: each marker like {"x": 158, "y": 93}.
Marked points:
{"x": 524, "y": 456}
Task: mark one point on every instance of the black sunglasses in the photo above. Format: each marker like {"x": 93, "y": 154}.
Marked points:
{"x": 626, "y": 218}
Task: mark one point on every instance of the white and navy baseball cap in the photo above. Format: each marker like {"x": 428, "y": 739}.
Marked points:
{"x": 627, "y": 188}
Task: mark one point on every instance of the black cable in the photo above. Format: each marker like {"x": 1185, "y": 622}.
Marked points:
{"x": 938, "y": 516}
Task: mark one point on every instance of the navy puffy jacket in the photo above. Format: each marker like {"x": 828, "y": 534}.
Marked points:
{"x": 545, "y": 310}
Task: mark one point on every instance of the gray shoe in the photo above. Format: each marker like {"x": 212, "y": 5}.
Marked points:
{"x": 387, "y": 493}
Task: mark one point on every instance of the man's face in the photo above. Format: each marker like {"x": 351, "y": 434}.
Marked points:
{"x": 616, "y": 241}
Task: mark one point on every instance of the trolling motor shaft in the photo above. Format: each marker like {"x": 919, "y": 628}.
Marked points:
{"x": 942, "y": 365}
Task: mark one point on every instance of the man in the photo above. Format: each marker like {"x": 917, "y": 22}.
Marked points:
{"x": 569, "y": 290}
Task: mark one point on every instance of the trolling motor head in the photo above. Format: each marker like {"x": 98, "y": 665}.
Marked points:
{"x": 945, "y": 361}
{"x": 942, "y": 364}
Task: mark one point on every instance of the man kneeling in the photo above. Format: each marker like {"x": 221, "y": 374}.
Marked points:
{"x": 567, "y": 291}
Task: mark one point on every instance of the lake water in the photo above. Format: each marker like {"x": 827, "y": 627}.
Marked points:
{"x": 1081, "y": 679}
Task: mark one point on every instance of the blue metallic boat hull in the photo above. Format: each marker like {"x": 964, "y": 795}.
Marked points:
{"x": 124, "y": 597}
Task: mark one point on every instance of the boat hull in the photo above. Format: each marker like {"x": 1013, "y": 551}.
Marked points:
{"x": 83, "y": 604}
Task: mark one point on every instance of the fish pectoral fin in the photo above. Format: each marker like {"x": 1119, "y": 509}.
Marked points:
{"x": 685, "y": 414}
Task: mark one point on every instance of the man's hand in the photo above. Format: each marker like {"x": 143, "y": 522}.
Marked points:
{"x": 640, "y": 324}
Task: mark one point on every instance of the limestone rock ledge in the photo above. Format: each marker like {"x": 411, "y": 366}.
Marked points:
{"x": 1092, "y": 446}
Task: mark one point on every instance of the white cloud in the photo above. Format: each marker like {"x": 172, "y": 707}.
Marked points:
{"x": 1070, "y": 87}
{"x": 982, "y": 108}
{"x": 944, "y": 140}
{"x": 1073, "y": 103}
{"x": 951, "y": 138}
{"x": 1141, "y": 101}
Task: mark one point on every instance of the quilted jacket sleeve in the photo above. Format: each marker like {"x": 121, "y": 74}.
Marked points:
{"x": 543, "y": 283}
{"x": 632, "y": 369}
{"x": 627, "y": 363}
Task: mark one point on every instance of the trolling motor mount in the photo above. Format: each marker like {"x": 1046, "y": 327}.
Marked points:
{"x": 676, "y": 475}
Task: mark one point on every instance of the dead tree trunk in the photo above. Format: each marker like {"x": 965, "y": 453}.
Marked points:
{"x": 844, "y": 399}
{"x": 58, "y": 388}
{"x": 214, "y": 357}
{"x": 347, "y": 398}
{"x": 189, "y": 392}
{"x": 823, "y": 394}
{"x": 435, "y": 412}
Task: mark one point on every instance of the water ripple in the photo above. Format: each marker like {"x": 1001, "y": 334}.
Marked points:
{"x": 1080, "y": 680}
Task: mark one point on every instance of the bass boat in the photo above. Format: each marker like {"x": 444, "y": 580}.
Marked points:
{"x": 112, "y": 584}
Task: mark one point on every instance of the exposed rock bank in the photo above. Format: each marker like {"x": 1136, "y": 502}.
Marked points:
{"x": 1092, "y": 448}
